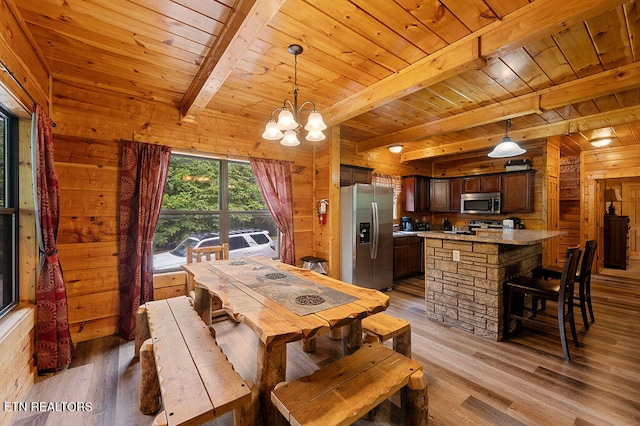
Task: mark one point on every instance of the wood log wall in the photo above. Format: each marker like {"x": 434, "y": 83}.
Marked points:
{"x": 90, "y": 125}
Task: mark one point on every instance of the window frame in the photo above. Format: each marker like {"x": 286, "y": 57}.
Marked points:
{"x": 10, "y": 209}
{"x": 225, "y": 215}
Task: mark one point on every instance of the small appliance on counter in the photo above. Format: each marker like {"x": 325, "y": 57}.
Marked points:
{"x": 420, "y": 226}
{"x": 405, "y": 224}
{"x": 446, "y": 225}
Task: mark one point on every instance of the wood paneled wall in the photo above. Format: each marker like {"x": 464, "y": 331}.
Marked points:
{"x": 90, "y": 125}
{"x": 17, "y": 368}
{"x": 595, "y": 167}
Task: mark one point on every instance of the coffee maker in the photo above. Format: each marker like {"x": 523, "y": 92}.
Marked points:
{"x": 405, "y": 224}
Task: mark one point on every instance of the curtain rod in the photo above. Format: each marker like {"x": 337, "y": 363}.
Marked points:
{"x": 4, "y": 68}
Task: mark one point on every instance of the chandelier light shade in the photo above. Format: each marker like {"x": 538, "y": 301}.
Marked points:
{"x": 506, "y": 148}
{"x": 287, "y": 128}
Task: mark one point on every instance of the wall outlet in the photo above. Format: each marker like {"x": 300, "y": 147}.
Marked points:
{"x": 456, "y": 255}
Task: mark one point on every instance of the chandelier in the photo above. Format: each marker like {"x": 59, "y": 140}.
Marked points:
{"x": 506, "y": 148}
{"x": 288, "y": 126}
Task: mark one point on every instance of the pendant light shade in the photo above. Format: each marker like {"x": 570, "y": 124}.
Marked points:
{"x": 506, "y": 148}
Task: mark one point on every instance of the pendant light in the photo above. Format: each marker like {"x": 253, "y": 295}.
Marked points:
{"x": 288, "y": 126}
{"x": 506, "y": 148}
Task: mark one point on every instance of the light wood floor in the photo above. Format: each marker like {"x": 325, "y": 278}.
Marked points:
{"x": 472, "y": 381}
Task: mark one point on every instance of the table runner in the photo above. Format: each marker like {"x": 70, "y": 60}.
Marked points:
{"x": 300, "y": 296}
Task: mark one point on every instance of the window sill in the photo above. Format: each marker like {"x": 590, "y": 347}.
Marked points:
{"x": 20, "y": 320}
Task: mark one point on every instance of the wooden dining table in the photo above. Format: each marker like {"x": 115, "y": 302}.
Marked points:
{"x": 264, "y": 294}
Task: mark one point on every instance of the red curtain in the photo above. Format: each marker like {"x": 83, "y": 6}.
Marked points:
{"x": 143, "y": 177}
{"x": 274, "y": 179}
{"x": 54, "y": 348}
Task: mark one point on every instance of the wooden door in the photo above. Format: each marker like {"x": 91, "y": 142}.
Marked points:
{"x": 631, "y": 202}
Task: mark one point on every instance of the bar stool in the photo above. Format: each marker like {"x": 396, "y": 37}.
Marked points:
{"x": 561, "y": 291}
{"x": 583, "y": 278}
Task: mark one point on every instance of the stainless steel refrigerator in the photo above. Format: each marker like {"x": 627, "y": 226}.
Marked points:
{"x": 366, "y": 235}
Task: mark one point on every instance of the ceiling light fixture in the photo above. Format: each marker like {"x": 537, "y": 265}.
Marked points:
{"x": 506, "y": 148}
{"x": 600, "y": 142}
{"x": 288, "y": 126}
{"x": 396, "y": 149}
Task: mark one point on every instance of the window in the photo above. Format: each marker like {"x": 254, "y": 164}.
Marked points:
{"x": 8, "y": 211}
{"x": 208, "y": 201}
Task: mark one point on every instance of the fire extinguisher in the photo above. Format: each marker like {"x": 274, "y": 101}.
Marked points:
{"x": 322, "y": 211}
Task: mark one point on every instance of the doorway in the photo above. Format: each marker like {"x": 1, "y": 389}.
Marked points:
{"x": 629, "y": 206}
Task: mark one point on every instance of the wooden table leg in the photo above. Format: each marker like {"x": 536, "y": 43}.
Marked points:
{"x": 351, "y": 337}
{"x": 271, "y": 370}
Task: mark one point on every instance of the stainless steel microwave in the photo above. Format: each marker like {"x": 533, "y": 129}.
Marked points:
{"x": 480, "y": 203}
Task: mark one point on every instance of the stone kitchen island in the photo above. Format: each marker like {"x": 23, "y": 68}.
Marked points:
{"x": 465, "y": 275}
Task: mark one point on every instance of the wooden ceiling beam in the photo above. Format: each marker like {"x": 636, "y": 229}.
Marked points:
{"x": 605, "y": 83}
{"x": 447, "y": 62}
{"x": 581, "y": 124}
{"x": 500, "y": 111}
{"x": 249, "y": 18}
{"x": 532, "y": 22}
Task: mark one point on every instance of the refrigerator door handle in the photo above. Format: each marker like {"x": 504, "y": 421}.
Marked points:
{"x": 374, "y": 245}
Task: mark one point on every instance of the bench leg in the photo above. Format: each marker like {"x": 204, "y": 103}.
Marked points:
{"x": 142, "y": 329}
{"x": 161, "y": 419}
{"x": 402, "y": 343}
{"x": 415, "y": 401}
{"x": 309, "y": 345}
{"x": 335, "y": 333}
{"x": 149, "y": 386}
{"x": 247, "y": 415}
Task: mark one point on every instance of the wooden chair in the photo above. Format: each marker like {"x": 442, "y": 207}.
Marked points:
{"x": 561, "y": 291}
{"x": 583, "y": 279}
{"x": 218, "y": 252}
{"x": 207, "y": 254}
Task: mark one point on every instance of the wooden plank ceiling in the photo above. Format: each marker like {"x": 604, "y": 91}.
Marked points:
{"x": 439, "y": 76}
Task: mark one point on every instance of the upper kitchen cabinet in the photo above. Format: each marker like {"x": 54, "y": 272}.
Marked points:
{"x": 517, "y": 191}
{"x": 416, "y": 193}
{"x": 350, "y": 175}
{"x": 455, "y": 190}
{"x": 485, "y": 183}
{"x": 440, "y": 195}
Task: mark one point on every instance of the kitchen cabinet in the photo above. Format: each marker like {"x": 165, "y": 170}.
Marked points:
{"x": 483, "y": 183}
{"x": 350, "y": 175}
{"x": 455, "y": 190}
{"x": 616, "y": 241}
{"x": 517, "y": 192}
{"x": 440, "y": 195}
{"x": 407, "y": 256}
{"x": 415, "y": 190}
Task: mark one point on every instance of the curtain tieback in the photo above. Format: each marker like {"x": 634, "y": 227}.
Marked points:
{"x": 49, "y": 253}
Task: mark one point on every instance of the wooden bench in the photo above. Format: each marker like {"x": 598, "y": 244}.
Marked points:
{"x": 182, "y": 361}
{"x": 381, "y": 327}
{"x": 344, "y": 391}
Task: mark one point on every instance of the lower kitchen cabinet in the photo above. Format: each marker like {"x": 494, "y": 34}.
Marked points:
{"x": 407, "y": 256}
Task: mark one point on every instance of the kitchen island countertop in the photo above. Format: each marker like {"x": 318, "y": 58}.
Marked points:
{"x": 519, "y": 237}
